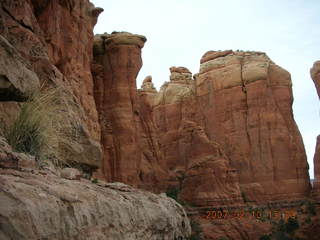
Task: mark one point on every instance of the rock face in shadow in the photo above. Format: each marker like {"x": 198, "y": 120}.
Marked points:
{"x": 316, "y": 164}
{"x": 246, "y": 101}
{"x": 315, "y": 75}
{"x": 69, "y": 39}
{"x": 39, "y": 48}
{"x": 17, "y": 81}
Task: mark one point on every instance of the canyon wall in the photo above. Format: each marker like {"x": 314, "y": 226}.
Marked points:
{"x": 225, "y": 137}
{"x": 52, "y": 50}
{"x": 48, "y": 45}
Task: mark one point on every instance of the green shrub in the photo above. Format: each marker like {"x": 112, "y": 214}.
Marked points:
{"x": 244, "y": 197}
{"x": 173, "y": 193}
{"x": 292, "y": 225}
{"x": 311, "y": 208}
{"x": 196, "y": 230}
{"x": 94, "y": 180}
{"x": 265, "y": 237}
{"x": 38, "y": 129}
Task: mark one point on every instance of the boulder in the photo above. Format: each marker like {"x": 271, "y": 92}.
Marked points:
{"x": 34, "y": 206}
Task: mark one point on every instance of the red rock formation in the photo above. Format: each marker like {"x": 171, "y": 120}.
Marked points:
{"x": 55, "y": 49}
{"x": 198, "y": 165}
{"x": 117, "y": 63}
{"x": 316, "y": 164}
{"x": 246, "y": 101}
{"x": 315, "y": 75}
{"x": 153, "y": 177}
{"x": 69, "y": 38}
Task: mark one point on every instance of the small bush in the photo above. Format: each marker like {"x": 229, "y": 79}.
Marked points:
{"x": 244, "y": 197}
{"x": 265, "y": 237}
{"x": 173, "y": 193}
{"x": 311, "y": 208}
{"x": 95, "y": 181}
{"x": 38, "y": 129}
{"x": 292, "y": 225}
{"x": 196, "y": 230}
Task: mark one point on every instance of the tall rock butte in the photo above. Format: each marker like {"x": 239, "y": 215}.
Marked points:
{"x": 246, "y": 102}
{"x": 315, "y": 75}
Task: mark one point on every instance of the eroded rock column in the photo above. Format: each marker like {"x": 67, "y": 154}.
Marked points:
{"x": 117, "y": 61}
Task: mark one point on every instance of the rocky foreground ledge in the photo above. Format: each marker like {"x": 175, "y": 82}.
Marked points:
{"x": 41, "y": 205}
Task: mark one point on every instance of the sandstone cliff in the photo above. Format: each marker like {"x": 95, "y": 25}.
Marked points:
{"x": 41, "y": 49}
{"x": 246, "y": 101}
{"x": 118, "y": 57}
{"x": 225, "y": 137}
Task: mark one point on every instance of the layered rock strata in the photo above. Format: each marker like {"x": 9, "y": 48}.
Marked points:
{"x": 153, "y": 174}
{"x": 246, "y": 102}
{"x": 199, "y": 166}
{"x": 41, "y": 49}
{"x": 116, "y": 65}
{"x": 44, "y": 206}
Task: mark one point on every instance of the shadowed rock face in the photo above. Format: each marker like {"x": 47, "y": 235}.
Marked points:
{"x": 17, "y": 81}
{"x": 41, "y": 48}
{"x": 315, "y": 75}
{"x": 246, "y": 101}
{"x": 69, "y": 38}
{"x": 316, "y": 163}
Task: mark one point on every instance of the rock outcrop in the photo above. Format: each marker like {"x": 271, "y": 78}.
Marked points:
{"x": 316, "y": 164}
{"x": 44, "y": 206}
{"x": 41, "y": 49}
{"x": 17, "y": 80}
{"x": 199, "y": 167}
{"x": 225, "y": 137}
{"x": 246, "y": 101}
{"x": 315, "y": 75}
{"x": 117, "y": 61}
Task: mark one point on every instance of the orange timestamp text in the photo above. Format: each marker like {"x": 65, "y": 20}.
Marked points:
{"x": 259, "y": 214}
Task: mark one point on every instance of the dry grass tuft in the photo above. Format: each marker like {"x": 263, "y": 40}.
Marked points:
{"x": 41, "y": 128}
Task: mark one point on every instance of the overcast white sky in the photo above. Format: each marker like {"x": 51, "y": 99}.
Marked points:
{"x": 179, "y": 32}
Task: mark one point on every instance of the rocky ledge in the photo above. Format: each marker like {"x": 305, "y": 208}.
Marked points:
{"x": 41, "y": 205}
